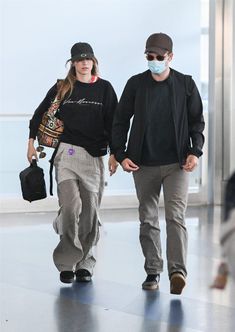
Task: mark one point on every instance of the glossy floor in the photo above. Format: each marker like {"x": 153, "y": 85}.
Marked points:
{"x": 33, "y": 299}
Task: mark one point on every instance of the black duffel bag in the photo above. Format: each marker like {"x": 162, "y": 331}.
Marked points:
{"x": 32, "y": 181}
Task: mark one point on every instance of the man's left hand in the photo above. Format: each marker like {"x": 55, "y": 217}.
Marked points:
{"x": 191, "y": 163}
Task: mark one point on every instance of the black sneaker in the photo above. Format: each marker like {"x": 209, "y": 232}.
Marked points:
{"x": 83, "y": 275}
{"x": 67, "y": 277}
{"x": 151, "y": 282}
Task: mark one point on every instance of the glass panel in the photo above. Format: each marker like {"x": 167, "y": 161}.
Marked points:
{"x": 120, "y": 56}
{"x": 196, "y": 176}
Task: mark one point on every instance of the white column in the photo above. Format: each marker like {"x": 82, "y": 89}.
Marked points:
{"x": 215, "y": 144}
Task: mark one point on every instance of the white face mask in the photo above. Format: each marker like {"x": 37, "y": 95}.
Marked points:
{"x": 157, "y": 67}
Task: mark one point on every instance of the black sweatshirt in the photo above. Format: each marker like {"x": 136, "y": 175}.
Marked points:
{"x": 87, "y": 115}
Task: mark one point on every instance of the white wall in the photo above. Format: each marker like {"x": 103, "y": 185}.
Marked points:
{"x": 37, "y": 37}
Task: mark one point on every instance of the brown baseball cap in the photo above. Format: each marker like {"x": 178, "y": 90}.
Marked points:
{"x": 159, "y": 43}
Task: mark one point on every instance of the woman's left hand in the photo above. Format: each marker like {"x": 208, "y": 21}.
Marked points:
{"x": 112, "y": 164}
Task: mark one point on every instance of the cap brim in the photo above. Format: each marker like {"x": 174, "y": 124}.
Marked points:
{"x": 157, "y": 50}
{"x": 81, "y": 56}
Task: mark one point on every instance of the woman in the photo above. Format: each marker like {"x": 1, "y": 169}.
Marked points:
{"x": 87, "y": 105}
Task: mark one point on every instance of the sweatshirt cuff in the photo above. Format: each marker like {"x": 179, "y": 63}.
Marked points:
{"x": 195, "y": 151}
{"x": 32, "y": 136}
{"x": 120, "y": 156}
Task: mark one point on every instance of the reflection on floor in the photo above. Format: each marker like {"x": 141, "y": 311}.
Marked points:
{"x": 33, "y": 299}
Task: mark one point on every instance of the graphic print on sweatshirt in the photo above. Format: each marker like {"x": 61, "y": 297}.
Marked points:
{"x": 82, "y": 101}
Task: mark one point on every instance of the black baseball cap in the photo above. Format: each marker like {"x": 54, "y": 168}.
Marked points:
{"x": 159, "y": 43}
{"x": 81, "y": 51}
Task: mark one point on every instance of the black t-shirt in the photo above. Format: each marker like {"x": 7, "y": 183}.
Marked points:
{"x": 159, "y": 146}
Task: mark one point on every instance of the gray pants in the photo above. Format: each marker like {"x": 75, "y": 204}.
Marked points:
{"x": 80, "y": 179}
{"x": 148, "y": 183}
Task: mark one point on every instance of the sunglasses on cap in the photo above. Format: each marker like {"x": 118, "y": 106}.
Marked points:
{"x": 158, "y": 57}
{"x": 41, "y": 153}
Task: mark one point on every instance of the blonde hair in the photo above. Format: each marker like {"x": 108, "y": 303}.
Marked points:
{"x": 65, "y": 86}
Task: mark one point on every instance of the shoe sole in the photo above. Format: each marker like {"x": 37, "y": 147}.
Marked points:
{"x": 83, "y": 279}
{"x": 67, "y": 281}
{"x": 177, "y": 284}
{"x": 150, "y": 287}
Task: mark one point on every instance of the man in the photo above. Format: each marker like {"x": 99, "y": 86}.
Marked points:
{"x": 164, "y": 145}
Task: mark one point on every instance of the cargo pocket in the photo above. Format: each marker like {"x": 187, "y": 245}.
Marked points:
{"x": 58, "y": 156}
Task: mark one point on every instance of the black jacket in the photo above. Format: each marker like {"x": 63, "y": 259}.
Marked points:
{"x": 186, "y": 110}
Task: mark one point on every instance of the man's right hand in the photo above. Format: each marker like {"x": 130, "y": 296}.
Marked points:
{"x": 129, "y": 166}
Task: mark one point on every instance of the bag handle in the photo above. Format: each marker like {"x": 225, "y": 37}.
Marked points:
{"x": 33, "y": 163}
